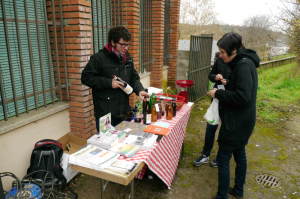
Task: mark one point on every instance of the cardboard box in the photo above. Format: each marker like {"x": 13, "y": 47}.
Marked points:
{"x": 71, "y": 144}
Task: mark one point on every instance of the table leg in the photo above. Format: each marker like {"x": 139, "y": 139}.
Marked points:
{"x": 182, "y": 151}
{"x": 101, "y": 189}
{"x": 131, "y": 195}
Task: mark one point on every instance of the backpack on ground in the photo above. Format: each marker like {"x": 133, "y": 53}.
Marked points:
{"x": 46, "y": 156}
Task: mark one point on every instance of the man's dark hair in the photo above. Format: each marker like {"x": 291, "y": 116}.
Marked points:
{"x": 230, "y": 41}
{"x": 116, "y": 33}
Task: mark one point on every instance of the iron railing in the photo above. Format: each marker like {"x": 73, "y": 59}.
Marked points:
{"x": 27, "y": 77}
{"x": 199, "y": 65}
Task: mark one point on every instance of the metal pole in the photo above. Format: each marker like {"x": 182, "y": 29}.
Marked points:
{"x": 40, "y": 51}
{"x": 52, "y": 84}
{"x": 20, "y": 55}
{"x": 63, "y": 48}
{"x": 12, "y": 78}
{"x": 2, "y": 97}
{"x": 56, "y": 48}
{"x": 30, "y": 55}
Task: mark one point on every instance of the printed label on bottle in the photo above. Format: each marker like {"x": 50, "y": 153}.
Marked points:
{"x": 128, "y": 89}
{"x": 157, "y": 107}
{"x": 148, "y": 119}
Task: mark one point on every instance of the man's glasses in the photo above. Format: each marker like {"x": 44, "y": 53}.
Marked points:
{"x": 123, "y": 44}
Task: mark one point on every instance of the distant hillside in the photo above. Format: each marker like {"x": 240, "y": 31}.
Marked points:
{"x": 258, "y": 39}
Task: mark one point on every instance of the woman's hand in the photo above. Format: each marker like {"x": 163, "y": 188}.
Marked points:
{"x": 212, "y": 92}
{"x": 219, "y": 77}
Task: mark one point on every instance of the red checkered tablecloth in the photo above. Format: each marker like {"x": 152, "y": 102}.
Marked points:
{"x": 163, "y": 158}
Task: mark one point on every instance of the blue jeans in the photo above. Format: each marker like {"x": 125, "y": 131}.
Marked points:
{"x": 210, "y": 133}
{"x": 223, "y": 159}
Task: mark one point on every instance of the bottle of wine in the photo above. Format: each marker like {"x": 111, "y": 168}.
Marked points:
{"x": 126, "y": 87}
{"x": 169, "y": 111}
{"x": 148, "y": 116}
{"x": 145, "y": 104}
{"x": 174, "y": 108}
{"x": 153, "y": 113}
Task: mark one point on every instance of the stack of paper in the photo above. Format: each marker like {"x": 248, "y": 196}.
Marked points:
{"x": 93, "y": 157}
{"x": 122, "y": 166}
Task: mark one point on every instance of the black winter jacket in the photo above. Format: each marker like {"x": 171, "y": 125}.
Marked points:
{"x": 219, "y": 67}
{"x": 237, "y": 104}
{"x": 98, "y": 75}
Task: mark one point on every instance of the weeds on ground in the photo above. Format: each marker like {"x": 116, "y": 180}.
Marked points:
{"x": 278, "y": 92}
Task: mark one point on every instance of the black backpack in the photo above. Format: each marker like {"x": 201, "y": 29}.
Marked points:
{"x": 45, "y": 163}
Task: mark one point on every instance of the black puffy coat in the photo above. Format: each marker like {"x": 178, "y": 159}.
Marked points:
{"x": 98, "y": 75}
{"x": 237, "y": 104}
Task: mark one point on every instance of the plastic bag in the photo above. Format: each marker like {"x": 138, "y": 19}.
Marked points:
{"x": 212, "y": 113}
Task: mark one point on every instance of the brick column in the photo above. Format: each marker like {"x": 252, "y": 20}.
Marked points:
{"x": 77, "y": 49}
{"x": 157, "y": 42}
{"x": 131, "y": 19}
{"x": 173, "y": 42}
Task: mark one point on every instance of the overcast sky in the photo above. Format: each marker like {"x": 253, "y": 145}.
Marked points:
{"x": 234, "y": 12}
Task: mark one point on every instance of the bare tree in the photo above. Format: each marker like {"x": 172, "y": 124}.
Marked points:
{"x": 291, "y": 19}
{"x": 258, "y": 34}
{"x": 197, "y": 12}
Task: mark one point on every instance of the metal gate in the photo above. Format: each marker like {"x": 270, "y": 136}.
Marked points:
{"x": 199, "y": 64}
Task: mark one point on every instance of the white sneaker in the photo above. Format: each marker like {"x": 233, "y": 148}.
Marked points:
{"x": 203, "y": 159}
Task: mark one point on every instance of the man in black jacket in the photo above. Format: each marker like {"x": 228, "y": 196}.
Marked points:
{"x": 237, "y": 109}
{"x": 100, "y": 72}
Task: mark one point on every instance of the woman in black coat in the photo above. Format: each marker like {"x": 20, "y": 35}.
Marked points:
{"x": 237, "y": 109}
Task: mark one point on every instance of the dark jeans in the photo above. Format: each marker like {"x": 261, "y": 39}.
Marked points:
{"x": 209, "y": 139}
{"x": 223, "y": 159}
{"x": 114, "y": 122}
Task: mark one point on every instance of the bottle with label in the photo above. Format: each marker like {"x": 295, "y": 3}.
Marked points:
{"x": 145, "y": 110}
{"x": 153, "y": 113}
{"x": 174, "y": 108}
{"x": 126, "y": 87}
{"x": 169, "y": 111}
{"x": 148, "y": 116}
{"x": 158, "y": 110}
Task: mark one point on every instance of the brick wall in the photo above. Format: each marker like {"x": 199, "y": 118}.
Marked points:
{"x": 77, "y": 45}
{"x": 157, "y": 42}
{"x": 130, "y": 11}
{"x": 173, "y": 42}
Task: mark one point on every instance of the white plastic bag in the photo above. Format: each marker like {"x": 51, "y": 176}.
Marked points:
{"x": 212, "y": 113}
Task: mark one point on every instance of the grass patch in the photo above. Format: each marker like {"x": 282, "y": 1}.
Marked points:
{"x": 283, "y": 56}
{"x": 278, "y": 89}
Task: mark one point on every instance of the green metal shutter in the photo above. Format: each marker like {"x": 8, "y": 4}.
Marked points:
{"x": 35, "y": 74}
{"x": 102, "y": 21}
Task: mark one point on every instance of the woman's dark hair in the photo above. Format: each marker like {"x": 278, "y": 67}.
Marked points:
{"x": 116, "y": 33}
{"x": 230, "y": 41}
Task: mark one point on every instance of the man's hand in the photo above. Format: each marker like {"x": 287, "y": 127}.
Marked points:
{"x": 212, "y": 92}
{"x": 116, "y": 84}
{"x": 219, "y": 77}
{"x": 143, "y": 94}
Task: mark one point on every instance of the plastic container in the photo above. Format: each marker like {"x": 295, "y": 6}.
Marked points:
{"x": 184, "y": 84}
